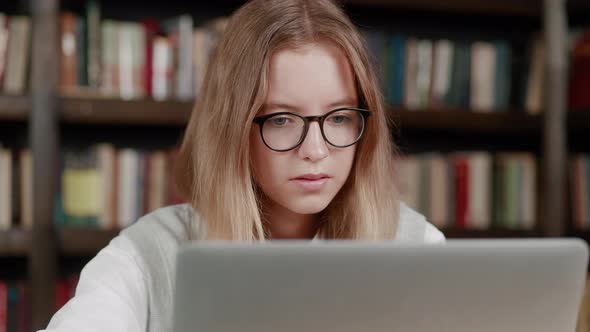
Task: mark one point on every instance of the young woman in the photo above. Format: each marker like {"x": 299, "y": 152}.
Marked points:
{"x": 288, "y": 139}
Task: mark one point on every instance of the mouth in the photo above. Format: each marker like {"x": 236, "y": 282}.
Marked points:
{"x": 311, "y": 182}
{"x": 312, "y": 177}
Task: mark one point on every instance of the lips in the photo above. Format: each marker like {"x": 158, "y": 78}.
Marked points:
{"x": 312, "y": 177}
{"x": 313, "y": 182}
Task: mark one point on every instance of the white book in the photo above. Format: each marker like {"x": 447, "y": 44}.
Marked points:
{"x": 184, "y": 76}
{"x": 18, "y": 55}
{"x": 139, "y": 46}
{"x": 26, "y": 189}
{"x": 106, "y": 169}
{"x": 442, "y": 67}
{"x": 162, "y": 69}
{"x": 110, "y": 58}
{"x": 411, "y": 75}
{"x": 4, "y": 33}
{"x": 128, "y": 193}
{"x": 438, "y": 193}
{"x": 157, "y": 183}
{"x": 409, "y": 181}
{"x": 424, "y": 72}
{"x": 126, "y": 66}
{"x": 536, "y": 79}
{"x": 483, "y": 74}
{"x": 202, "y": 44}
{"x": 5, "y": 189}
{"x": 528, "y": 206}
{"x": 480, "y": 190}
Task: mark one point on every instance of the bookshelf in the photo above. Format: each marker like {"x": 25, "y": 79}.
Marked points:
{"x": 15, "y": 243}
{"x": 118, "y": 112}
{"x": 48, "y": 115}
{"x": 83, "y": 242}
{"x": 14, "y": 108}
{"x": 462, "y": 120}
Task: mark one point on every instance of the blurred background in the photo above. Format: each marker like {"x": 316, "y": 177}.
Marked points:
{"x": 490, "y": 99}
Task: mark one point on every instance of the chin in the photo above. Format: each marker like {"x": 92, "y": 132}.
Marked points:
{"x": 309, "y": 206}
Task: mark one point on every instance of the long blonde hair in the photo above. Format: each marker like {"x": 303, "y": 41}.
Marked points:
{"x": 214, "y": 169}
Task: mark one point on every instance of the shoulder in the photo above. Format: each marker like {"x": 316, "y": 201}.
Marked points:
{"x": 173, "y": 222}
{"x": 413, "y": 227}
{"x": 156, "y": 237}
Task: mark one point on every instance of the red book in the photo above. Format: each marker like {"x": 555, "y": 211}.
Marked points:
{"x": 3, "y": 306}
{"x": 151, "y": 27}
{"x": 579, "y": 98}
{"x": 461, "y": 192}
{"x": 174, "y": 194}
{"x": 61, "y": 294}
{"x": 23, "y": 307}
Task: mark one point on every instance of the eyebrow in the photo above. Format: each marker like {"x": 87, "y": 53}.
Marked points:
{"x": 342, "y": 102}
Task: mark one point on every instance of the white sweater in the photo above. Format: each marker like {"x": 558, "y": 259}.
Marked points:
{"x": 128, "y": 285}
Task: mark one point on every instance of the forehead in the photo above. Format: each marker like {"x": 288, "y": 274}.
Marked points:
{"x": 310, "y": 78}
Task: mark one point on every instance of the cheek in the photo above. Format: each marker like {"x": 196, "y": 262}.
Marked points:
{"x": 344, "y": 161}
{"x": 264, "y": 162}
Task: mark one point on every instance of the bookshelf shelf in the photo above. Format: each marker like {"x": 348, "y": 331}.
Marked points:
{"x": 469, "y": 121}
{"x": 82, "y": 241}
{"x": 489, "y": 233}
{"x": 120, "y": 112}
{"x": 15, "y": 242}
{"x": 14, "y": 108}
{"x": 500, "y": 7}
{"x": 579, "y": 121}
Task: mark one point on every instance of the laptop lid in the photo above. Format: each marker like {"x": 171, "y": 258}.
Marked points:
{"x": 350, "y": 286}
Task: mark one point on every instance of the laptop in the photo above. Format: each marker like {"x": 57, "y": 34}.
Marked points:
{"x": 520, "y": 285}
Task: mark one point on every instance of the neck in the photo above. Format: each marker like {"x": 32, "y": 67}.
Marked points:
{"x": 285, "y": 224}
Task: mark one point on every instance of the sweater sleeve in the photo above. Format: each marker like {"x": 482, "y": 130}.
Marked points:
{"x": 111, "y": 294}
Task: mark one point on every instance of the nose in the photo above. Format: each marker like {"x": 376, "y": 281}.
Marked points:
{"x": 313, "y": 147}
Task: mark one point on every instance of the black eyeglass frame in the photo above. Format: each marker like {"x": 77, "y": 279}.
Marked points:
{"x": 260, "y": 120}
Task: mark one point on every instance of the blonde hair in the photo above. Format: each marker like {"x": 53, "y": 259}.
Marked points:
{"x": 214, "y": 169}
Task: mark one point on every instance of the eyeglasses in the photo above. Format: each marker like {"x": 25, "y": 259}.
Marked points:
{"x": 284, "y": 131}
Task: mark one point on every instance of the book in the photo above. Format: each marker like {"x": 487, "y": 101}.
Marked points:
{"x": 480, "y": 177}
{"x": 26, "y": 189}
{"x": 442, "y": 66}
{"x": 17, "y": 62}
{"x": 483, "y": 76}
{"x": 3, "y": 306}
{"x": 536, "y": 78}
{"x": 4, "y": 34}
{"x": 6, "y": 188}
{"x": 68, "y": 78}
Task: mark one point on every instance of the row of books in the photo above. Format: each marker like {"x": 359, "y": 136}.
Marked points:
{"x": 16, "y": 172}
{"x": 476, "y": 190}
{"x": 422, "y": 73}
{"x": 15, "y": 306}
{"x": 15, "y": 40}
{"x": 132, "y": 60}
{"x": 111, "y": 188}
{"x": 65, "y": 290}
{"x": 580, "y": 190}
{"x": 579, "y": 98}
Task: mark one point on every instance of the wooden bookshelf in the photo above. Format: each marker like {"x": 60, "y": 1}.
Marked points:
{"x": 15, "y": 242}
{"x": 83, "y": 241}
{"x": 579, "y": 121}
{"x": 14, "y": 108}
{"x": 498, "y": 7}
{"x": 465, "y": 120}
{"x": 461, "y": 233}
{"x": 120, "y": 112}
{"x": 113, "y": 111}
{"x": 50, "y": 111}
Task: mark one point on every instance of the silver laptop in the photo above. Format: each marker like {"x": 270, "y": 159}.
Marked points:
{"x": 341, "y": 286}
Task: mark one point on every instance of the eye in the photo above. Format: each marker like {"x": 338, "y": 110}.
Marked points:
{"x": 339, "y": 118}
{"x": 280, "y": 121}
